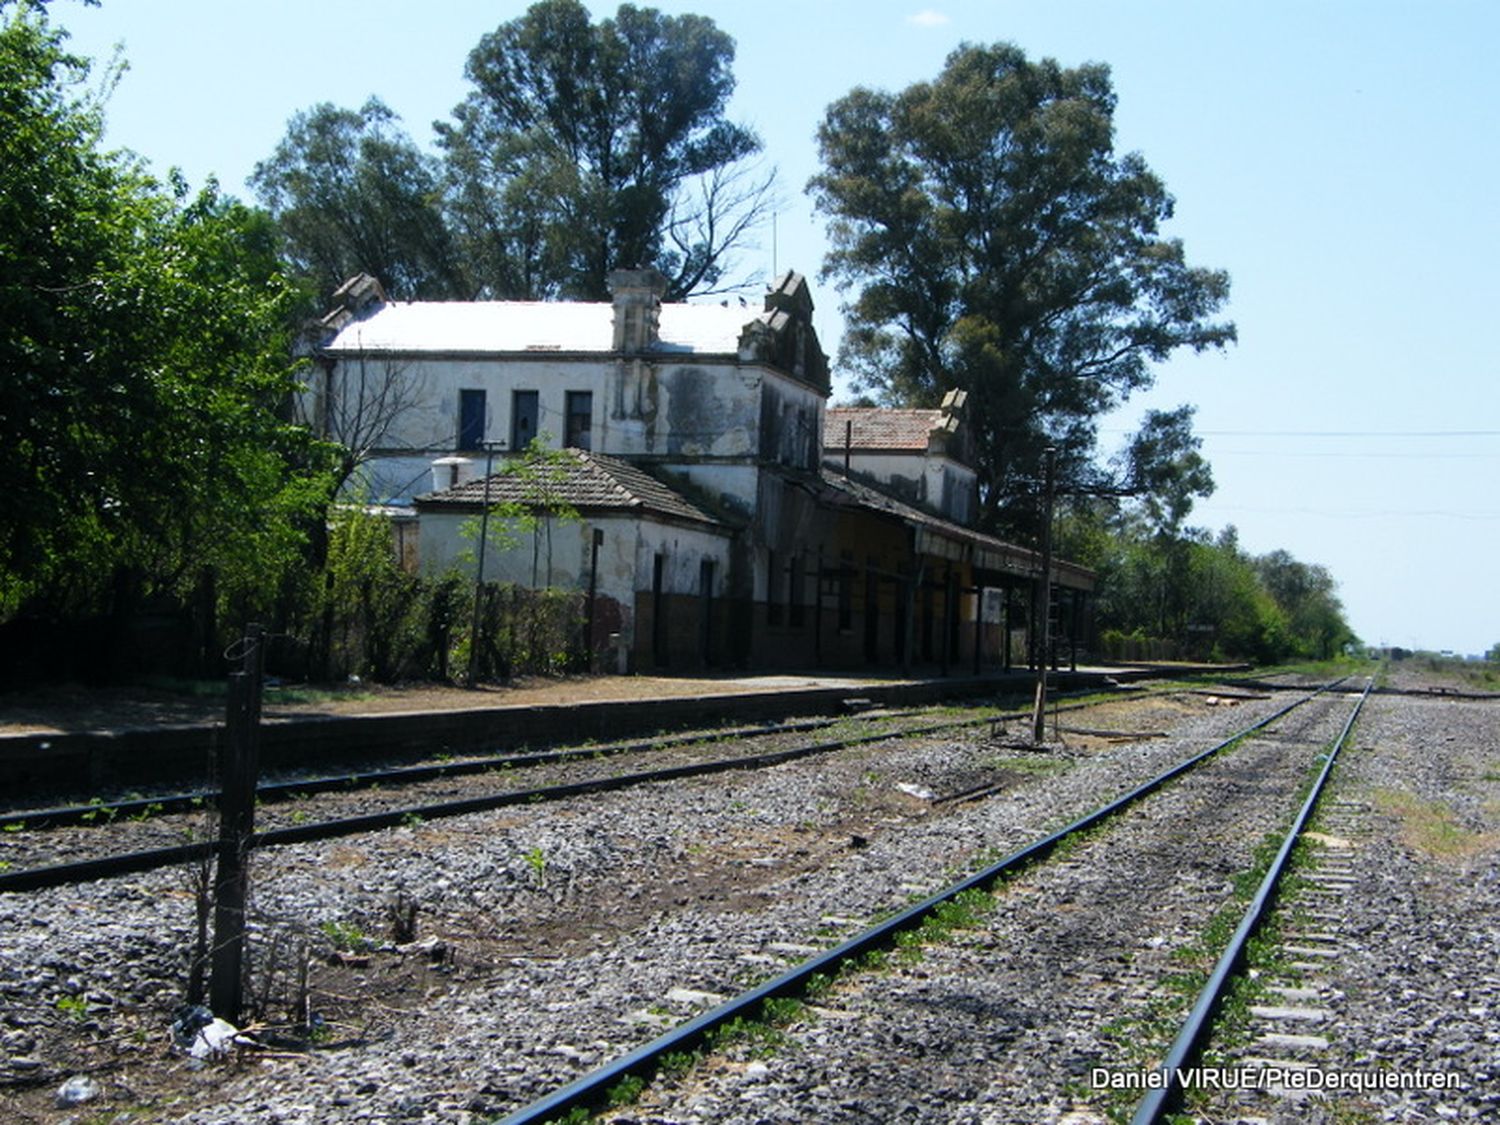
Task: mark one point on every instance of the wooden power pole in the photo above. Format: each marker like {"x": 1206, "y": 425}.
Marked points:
{"x": 1044, "y": 618}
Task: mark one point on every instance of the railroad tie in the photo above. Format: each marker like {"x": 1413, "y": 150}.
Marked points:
{"x": 1293, "y": 1026}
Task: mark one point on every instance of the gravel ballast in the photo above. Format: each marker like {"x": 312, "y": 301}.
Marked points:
{"x": 570, "y": 933}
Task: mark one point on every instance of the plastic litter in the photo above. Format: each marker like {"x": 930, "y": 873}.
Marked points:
{"x": 201, "y": 1034}
{"x": 77, "y": 1090}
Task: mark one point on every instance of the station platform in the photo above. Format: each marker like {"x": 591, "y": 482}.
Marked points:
{"x": 398, "y": 725}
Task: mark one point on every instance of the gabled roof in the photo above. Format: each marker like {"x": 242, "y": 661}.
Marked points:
{"x": 879, "y": 429}
{"x": 487, "y": 327}
{"x": 586, "y": 481}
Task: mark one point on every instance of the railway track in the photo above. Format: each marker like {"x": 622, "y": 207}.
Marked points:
{"x": 636, "y": 900}
{"x": 1189, "y": 1042}
{"x": 56, "y": 846}
{"x": 811, "y": 976}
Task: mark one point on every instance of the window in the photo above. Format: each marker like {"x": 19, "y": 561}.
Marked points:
{"x": 580, "y": 420}
{"x": 470, "y": 419}
{"x": 523, "y": 412}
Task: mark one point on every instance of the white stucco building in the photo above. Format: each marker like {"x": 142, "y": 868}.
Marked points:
{"x": 721, "y": 521}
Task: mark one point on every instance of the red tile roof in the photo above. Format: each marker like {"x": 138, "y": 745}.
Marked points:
{"x": 876, "y": 428}
{"x": 586, "y": 481}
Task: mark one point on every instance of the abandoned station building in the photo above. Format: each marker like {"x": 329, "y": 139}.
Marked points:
{"x": 726, "y": 516}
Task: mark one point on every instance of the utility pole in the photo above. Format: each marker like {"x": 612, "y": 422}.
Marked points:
{"x": 484, "y": 535}
{"x": 1039, "y": 710}
{"x": 597, "y": 539}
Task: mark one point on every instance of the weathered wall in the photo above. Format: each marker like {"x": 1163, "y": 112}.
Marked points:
{"x": 938, "y": 482}
{"x": 626, "y": 564}
{"x": 681, "y": 413}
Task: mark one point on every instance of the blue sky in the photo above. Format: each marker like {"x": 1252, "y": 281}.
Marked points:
{"x": 1338, "y": 158}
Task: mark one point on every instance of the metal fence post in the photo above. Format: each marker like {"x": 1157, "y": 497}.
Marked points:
{"x": 238, "y": 773}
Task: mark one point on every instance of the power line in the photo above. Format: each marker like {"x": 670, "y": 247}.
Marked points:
{"x": 1335, "y": 433}
{"x": 1376, "y": 513}
{"x": 1371, "y": 456}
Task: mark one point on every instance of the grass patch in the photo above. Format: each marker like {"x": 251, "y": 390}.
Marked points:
{"x": 1431, "y": 827}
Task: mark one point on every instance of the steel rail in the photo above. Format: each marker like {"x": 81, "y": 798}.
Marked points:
{"x": 1161, "y": 1100}
{"x": 130, "y": 863}
{"x": 592, "y": 1089}
{"x": 64, "y": 815}
{"x": 170, "y": 803}
{"x": 127, "y": 863}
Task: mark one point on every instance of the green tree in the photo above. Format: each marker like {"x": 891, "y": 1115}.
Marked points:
{"x": 1162, "y": 466}
{"x": 529, "y": 499}
{"x": 1163, "y": 470}
{"x": 585, "y": 147}
{"x": 143, "y": 361}
{"x": 995, "y": 242}
{"x": 1307, "y": 595}
{"x": 351, "y": 193}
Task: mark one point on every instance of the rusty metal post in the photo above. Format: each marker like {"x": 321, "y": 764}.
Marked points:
{"x": 238, "y": 771}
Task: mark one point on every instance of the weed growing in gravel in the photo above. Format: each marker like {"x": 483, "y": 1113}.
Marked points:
{"x": 1140, "y": 1039}
{"x": 758, "y": 1038}
{"x": 536, "y": 859}
{"x": 97, "y": 809}
{"x": 345, "y": 936}
{"x": 74, "y": 1007}
{"x": 575, "y": 1116}
{"x": 626, "y": 1091}
{"x": 782, "y": 1010}
{"x": 155, "y": 808}
{"x": 675, "y": 1064}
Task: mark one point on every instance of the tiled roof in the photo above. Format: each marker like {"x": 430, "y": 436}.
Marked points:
{"x": 533, "y": 326}
{"x": 876, "y": 428}
{"x": 587, "y": 481}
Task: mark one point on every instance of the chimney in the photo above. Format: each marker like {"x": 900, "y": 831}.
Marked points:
{"x": 637, "y": 303}
{"x": 356, "y": 298}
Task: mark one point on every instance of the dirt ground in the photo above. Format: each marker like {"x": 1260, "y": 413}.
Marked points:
{"x": 72, "y": 707}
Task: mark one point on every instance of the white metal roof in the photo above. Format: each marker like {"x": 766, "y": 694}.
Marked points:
{"x": 541, "y": 326}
